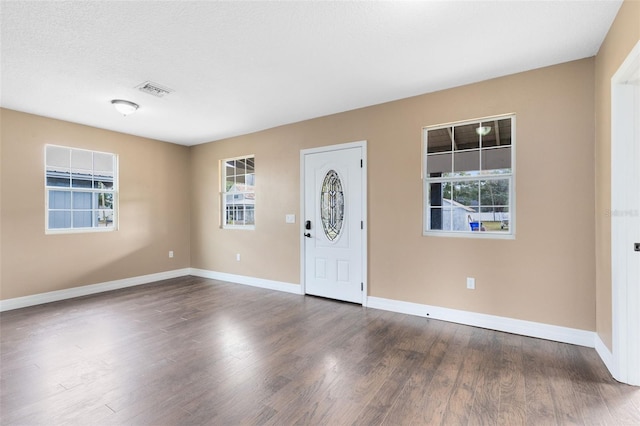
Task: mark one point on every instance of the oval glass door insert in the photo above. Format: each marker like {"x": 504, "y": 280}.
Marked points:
{"x": 332, "y": 205}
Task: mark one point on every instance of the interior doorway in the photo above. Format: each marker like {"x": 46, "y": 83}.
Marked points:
{"x": 625, "y": 218}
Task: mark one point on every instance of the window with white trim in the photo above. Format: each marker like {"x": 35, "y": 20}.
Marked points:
{"x": 238, "y": 192}
{"x": 468, "y": 172}
{"x": 80, "y": 190}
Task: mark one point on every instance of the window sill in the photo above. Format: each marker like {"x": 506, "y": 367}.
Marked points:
{"x": 79, "y": 230}
{"x": 474, "y": 235}
{"x": 241, "y": 227}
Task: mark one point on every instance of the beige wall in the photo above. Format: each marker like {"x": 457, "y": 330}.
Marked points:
{"x": 622, "y": 36}
{"x": 547, "y": 274}
{"x": 154, "y": 209}
{"x": 169, "y": 200}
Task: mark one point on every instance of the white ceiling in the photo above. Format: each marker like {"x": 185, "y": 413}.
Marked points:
{"x": 239, "y": 67}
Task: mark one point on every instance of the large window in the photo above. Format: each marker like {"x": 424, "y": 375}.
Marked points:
{"x": 81, "y": 189}
{"x": 469, "y": 178}
{"x": 238, "y": 192}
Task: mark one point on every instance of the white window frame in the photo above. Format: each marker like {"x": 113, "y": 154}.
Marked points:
{"x": 95, "y": 227}
{"x": 224, "y": 192}
{"x": 511, "y": 233}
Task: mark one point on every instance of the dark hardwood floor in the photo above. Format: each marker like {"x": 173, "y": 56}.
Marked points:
{"x": 196, "y": 351}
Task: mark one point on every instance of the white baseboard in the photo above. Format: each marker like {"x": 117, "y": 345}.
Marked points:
{"x": 605, "y": 355}
{"x": 509, "y": 325}
{"x": 69, "y": 293}
{"x": 242, "y": 279}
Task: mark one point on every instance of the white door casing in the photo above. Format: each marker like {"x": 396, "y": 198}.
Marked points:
{"x": 333, "y": 258}
{"x": 625, "y": 218}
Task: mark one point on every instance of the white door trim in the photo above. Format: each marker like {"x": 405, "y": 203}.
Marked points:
{"x": 363, "y": 146}
{"x": 625, "y": 187}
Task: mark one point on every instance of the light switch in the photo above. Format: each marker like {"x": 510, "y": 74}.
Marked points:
{"x": 290, "y": 218}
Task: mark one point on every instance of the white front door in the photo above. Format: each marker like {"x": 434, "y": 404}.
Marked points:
{"x": 333, "y": 215}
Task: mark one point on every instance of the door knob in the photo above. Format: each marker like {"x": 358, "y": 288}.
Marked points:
{"x": 307, "y": 234}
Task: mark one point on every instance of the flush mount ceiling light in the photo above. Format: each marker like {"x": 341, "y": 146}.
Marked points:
{"x": 124, "y": 107}
{"x": 483, "y": 130}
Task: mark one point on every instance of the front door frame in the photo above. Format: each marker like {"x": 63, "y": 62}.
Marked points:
{"x": 625, "y": 186}
{"x": 359, "y": 144}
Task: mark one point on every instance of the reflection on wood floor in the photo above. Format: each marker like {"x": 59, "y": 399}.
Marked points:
{"x": 197, "y": 351}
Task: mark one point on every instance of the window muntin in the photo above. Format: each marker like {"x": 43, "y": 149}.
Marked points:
{"x": 238, "y": 192}
{"x": 469, "y": 178}
{"x": 81, "y": 190}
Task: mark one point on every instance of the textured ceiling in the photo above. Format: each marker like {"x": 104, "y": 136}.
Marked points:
{"x": 240, "y": 67}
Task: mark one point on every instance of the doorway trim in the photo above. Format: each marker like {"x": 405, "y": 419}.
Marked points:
{"x": 358, "y": 144}
{"x": 625, "y": 284}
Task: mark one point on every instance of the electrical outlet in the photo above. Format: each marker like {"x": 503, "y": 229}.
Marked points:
{"x": 170, "y": 253}
{"x": 471, "y": 283}
{"x": 238, "y": 257}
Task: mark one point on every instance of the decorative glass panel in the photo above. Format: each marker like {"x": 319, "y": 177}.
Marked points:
{"x": 332, "y": 205}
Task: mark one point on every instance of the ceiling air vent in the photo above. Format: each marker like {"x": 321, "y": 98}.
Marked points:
{"x": 153, "y": 89}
